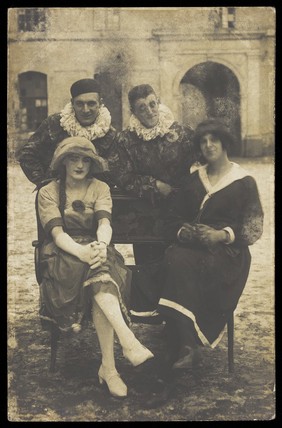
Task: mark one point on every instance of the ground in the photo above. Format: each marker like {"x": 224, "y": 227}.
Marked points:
{"x": 73, "y": 392}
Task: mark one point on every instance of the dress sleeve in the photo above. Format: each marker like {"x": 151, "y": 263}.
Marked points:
{"x": 251, "y": 226}
{"x": 123, "y": 171}
{"x": 103, "y": 202}
{"x": 48, "y": 209}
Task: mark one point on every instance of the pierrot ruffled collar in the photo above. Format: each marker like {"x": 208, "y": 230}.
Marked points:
{"x": 166, "y": 119}
{"x": 98, "y": 129}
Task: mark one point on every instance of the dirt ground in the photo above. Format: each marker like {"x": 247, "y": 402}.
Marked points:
{"x": 73, "y": 392}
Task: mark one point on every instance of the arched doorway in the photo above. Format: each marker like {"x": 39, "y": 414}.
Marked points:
{"x": 33, "y": 99}
{"x": 210, "y": 89}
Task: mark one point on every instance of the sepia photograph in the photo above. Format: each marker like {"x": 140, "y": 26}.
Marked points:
{"x": 140, "y": 206}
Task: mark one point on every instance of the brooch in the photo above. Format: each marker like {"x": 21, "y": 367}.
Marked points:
{"x": 78, "y": 206}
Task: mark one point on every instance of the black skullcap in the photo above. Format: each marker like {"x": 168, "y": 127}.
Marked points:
{"x": 84, "y": 86}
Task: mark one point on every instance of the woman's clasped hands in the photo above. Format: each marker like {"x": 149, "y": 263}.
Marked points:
{"x": 202, "y": 233}
{"x": 208, "y": 235}
{"x": 94, "y": 253}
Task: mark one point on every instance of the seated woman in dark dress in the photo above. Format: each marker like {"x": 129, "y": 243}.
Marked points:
{"x": 215, "y": 216}
{"x": 80, "y": 268}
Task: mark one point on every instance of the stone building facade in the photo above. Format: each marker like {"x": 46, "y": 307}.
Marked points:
{"x": 202, "y": 62}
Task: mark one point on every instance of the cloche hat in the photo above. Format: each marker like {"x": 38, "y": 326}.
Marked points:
{"x": 80, "y": 146}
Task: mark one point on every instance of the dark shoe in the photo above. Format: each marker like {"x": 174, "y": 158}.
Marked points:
{"x": 190, "y": 358}
{"x": 160, "y": 396}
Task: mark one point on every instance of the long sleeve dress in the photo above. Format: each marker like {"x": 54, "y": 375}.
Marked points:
{"x": 68, "y": 285}
{"x": 201, "y": 283}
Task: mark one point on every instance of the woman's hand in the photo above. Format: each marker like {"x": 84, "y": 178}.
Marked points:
{"x": 88, "y": 254}
{"x": 164, "y": 188}
{"x": 99, "y": 248}
{"x": 187, "y": 233}
{"x": 208, "y": 235}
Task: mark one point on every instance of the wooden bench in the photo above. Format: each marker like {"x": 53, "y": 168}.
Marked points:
{"x": 123, "y": 205}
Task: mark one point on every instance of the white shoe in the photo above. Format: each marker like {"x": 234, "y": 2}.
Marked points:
{"x": 114, "y": 382}
{"x": 137, "y": 353}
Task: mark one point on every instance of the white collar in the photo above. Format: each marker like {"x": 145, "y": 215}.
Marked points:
{"x": 235, "y": 173}
{"x": 166, "y": 119}
{"x": 98, "y": 129}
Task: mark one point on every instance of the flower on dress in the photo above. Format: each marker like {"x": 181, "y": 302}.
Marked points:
{"x": 172, "y": 136}
{"x": 78, "y": 206}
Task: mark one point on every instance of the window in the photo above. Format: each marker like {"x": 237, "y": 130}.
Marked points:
{"x": 33, "y": 19}
{"x": 40, "y": 102}
{"x": 107, "y": 19}
{"x": 33, "y": 100}
{"x": 112, "y": 19}
{"x": 227, "y": 17}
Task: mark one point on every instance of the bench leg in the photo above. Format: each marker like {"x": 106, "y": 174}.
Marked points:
{"x": 230, "y": 335}
{"x": 55, "y": 333}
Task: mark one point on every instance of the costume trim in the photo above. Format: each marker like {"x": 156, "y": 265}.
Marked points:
{"x": 98, "y": 129}
{"x": 44, "y": 317}
{"x": 105, "y": 278}
{"x": 166, "y": 119}
{"x": 58, "y": 221}
{"x": 231, "y": 234}
{"x": 189, "y": 314}
{"x": 145, "y": 314}
{"x": 103, "y": 214}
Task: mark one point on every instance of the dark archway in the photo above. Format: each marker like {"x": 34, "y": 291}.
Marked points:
{"x": 210, "y": 89}
{"x": 33, "y": 99}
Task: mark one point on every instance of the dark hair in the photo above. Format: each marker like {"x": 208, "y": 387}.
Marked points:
{"x": 62, "y": 191}
{"x": 140, "y": 91}
{"x": 217, "y": 128}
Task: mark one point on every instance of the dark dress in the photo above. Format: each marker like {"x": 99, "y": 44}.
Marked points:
{"x": 199, "y": 283}
{"x": 68, "y": 285}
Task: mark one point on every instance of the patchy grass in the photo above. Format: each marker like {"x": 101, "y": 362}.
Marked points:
{"x": 73, "y": 392}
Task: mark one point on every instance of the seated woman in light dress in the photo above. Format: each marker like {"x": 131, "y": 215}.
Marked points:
{"x": 80, "y": 268}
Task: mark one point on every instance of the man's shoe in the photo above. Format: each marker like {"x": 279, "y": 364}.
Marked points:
{"x": 159, "y": 397}
{"x": 190, "y": 358}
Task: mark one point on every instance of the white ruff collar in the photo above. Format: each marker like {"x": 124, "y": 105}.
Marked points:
{"x": 97, "y": 130}
{"x": 166, "y": 119}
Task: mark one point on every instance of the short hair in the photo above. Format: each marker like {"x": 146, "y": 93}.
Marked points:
{"x": 140, "y": 91}
{"x": 217, "y": 128}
